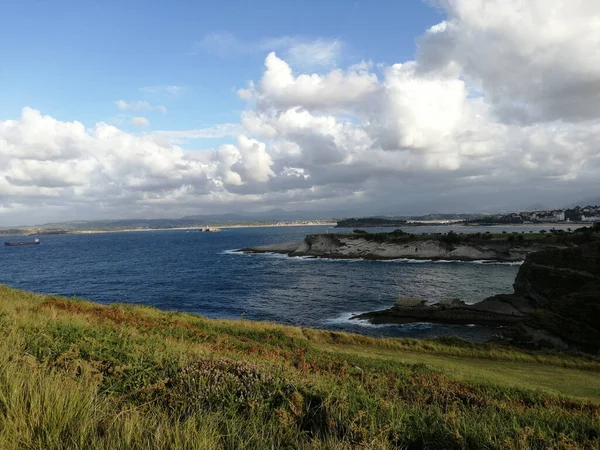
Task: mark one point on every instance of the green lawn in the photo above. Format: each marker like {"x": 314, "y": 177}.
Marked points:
{"x": 580, "y": 384}
{"x": 78, "y": 375}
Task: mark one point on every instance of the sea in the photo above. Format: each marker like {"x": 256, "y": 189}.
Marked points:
{"x": 204, "y": 273}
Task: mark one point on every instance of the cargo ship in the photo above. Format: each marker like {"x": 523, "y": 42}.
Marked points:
{"x": 17, "y": 244}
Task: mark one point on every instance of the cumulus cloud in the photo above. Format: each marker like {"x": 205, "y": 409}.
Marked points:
{"x": 536, "y": 60}
{"x": 497, "y": 111}
{"x": 279, "y": 88}
{"x": 140, "y": 121}
{"x": 52, "y": 169}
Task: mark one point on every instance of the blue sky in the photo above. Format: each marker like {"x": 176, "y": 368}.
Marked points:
{"x": 73, "y": 59}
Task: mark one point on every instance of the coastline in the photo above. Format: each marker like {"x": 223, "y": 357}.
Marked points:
{"x": 25, "y": 232}
{"x": 226, "y": 227}
{"x": 547, "y": 224}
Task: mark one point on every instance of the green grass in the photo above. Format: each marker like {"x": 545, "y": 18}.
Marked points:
{"x": 78, "y": 375}
{"x": 581, "y": 384}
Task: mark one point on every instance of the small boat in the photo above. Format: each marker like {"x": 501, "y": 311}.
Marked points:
{"x": 16, "y": 244}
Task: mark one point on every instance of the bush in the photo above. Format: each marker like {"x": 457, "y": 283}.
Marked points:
{"x": 452, "y": 238}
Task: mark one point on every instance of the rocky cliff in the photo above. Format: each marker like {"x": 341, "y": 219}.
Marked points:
{"x": 556, "y": 303}
{"x": 388, "y": 246}
{"x": 564, "y": 287}
{"x": 554, "y": 273}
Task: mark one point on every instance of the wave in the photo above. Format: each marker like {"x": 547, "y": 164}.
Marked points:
{"x": 498, "y": 263}
{"x": 232, "y": 252}
{"x": 453, "y": 261}
{"x": 344, "y": 319}
{"x": 275, "y": 255}
{"x": 397, "y": 260}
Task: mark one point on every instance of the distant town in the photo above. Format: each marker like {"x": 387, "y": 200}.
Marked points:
{"x": 580, "y": 215}
{"x": 586, "y": 214}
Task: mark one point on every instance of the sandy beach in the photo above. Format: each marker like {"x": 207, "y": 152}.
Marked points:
{"x": 216, "y": 228}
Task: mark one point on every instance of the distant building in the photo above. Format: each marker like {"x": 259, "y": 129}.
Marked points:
{"x": 550, "y": 216}
{"x": 590, "y": 218}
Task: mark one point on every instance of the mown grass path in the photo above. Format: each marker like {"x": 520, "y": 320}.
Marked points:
{"x": 581, "y": 384}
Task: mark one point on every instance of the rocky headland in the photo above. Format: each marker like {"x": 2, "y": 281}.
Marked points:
{"x": 555, "y": 304}
{"x": 556, "y": 298}
{"x": 399, "y": 245}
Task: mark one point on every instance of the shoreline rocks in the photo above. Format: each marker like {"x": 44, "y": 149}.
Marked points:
{"x": 494, "y": 311}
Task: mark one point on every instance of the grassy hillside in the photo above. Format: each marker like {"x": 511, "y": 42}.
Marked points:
{"x": 75, "y": 374}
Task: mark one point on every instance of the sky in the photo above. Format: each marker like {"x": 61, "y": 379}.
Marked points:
{"x": 146, "y": 109}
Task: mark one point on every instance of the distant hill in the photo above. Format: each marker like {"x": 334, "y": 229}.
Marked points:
{"x": 187, "y": 221}
{"x": 387, "y": 221}
{"x": 589, "y": 201}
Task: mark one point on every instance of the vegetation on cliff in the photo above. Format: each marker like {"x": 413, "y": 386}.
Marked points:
{"x": 399, "y": 221}
{"x": 552, "y": 237}
{"x": 79, "y": 375}
{"x": 370, "y": 222}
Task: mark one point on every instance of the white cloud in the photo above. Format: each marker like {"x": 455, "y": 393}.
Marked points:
{"x": 299, "y": 51}
{"x": 334, "y": 91}
{"x": 140, "y": 121}
{"x": 139, "y": 105}
{"x": 133, "y": 106}
{"x": 536, "y": 60}
{"x": 419, "y": 111}
{"x": 217, "y": 131}
{"x": 319, "y": 52}
{"x": 498, "y": 110}
{"x": 56, "y": 168}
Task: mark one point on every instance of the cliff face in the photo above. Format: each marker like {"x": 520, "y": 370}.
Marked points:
{"x": 556, "y": 303}
{"x": 564, "y": 286}
{"x": 353, "y": 247}
{"x": 551, "y": 274}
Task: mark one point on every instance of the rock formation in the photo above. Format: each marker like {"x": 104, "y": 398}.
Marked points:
{"x": 564, "y": 287}
{"x": 556, "y": 303}
{"x": 396, "y": 246}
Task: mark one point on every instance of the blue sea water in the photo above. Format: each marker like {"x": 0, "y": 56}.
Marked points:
{"x": 200, "y": 273}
